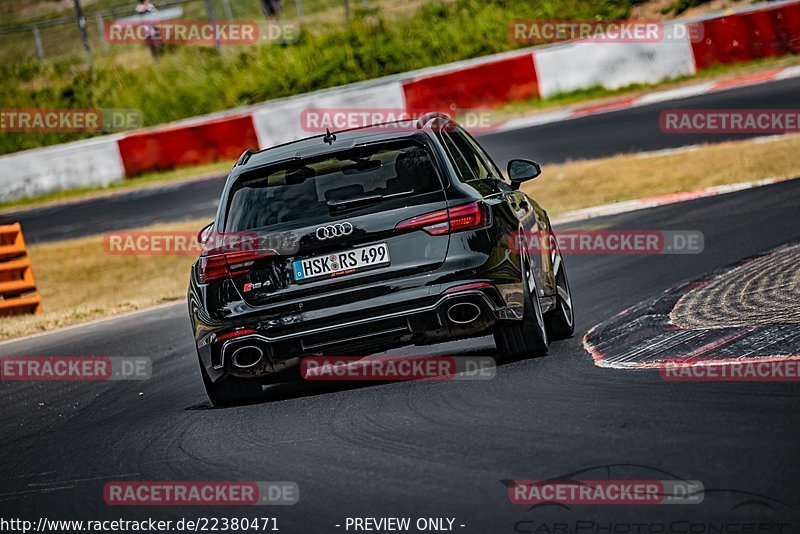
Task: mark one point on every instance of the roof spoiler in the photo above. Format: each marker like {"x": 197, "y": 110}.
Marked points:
{"x": 425, "y": 118}
{"x": 244, "y": 157}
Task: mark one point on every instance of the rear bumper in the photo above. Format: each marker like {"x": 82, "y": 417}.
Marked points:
{"x": 458, "y": 310}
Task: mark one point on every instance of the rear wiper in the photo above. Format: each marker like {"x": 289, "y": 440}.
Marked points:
{"x": 356, "y": 202}
{"x": 360, "y": 202}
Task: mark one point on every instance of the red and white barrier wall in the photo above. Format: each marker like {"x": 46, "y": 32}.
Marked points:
{"x": 755, "y": 33}
{"x": 610, "y": 65}
{"x": 759, "y": 31}
{"x": 88, "y": 163}
{"x": 187, "y": 144}
{"x": 494, "y": 81}
{"x": 281, "y": 121}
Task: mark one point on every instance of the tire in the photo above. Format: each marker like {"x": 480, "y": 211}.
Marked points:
{"x": 528, "y": 337}
{"x": 561, "y": 321}
{"x": 232, "y": 391}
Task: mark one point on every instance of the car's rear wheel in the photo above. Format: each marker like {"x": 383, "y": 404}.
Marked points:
{"x": 528, "y": 337}
{"x": 231, "y": 391}
{"x": 561, "y": 321}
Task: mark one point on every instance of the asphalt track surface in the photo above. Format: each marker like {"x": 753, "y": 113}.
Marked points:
{"x": 430, "y": 449}
{"x": 625, "y": 131}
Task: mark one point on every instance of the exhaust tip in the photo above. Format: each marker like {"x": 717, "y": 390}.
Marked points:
{"x": 247, "y": 356}
{"x": 463, "y": 313}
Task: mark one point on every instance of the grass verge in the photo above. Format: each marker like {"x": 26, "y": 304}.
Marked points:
{"x": 582, "y": 184}
{"x": 78, "y": 281}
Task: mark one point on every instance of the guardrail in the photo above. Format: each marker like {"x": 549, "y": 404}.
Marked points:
{"x": 17, "y": 285}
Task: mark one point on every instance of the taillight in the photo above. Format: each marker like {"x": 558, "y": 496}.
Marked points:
{"x": 220, "y": 266}
{"x": 212, "y": 268}
{"x": 467, "y": 217}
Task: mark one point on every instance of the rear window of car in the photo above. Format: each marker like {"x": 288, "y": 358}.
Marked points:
{"x": 323, "y": 188}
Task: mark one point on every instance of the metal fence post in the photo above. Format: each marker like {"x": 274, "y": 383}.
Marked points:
{"x": 102, "y": 32}
{"x": 212, "y": 17}
{"x": 226, "y": 5}
{"x": 37, "y": 39}
{"x": 346, "y": 9}
{"x": 82, "y": 28}
{"x": 299, "y": 5}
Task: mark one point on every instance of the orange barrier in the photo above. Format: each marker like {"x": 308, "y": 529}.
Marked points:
{"x": 17, "y": 284}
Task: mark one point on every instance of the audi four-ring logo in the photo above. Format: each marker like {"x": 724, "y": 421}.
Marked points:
{"x": 334, "y": 230}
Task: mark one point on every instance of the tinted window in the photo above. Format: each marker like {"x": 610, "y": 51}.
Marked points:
{"x": 464, "y": 170}
{"x": 468, "y": 158}
{"x": 480, "y": 153}
{"x": 308, "y": 189}
{"x": 473, "y": 160}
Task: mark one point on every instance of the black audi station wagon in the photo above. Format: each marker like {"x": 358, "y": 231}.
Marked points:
{"x": 368, "y": 239}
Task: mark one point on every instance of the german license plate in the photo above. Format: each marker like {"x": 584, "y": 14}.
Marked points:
{"x": 341, "y": 263}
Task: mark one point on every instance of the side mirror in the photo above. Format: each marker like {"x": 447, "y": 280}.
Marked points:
{"x": 522, "y": 170}
{"x": 204, "y": 234}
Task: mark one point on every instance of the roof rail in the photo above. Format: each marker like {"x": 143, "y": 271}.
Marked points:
{"x": 244, "y": 157}
{"x": 425, "y": 118}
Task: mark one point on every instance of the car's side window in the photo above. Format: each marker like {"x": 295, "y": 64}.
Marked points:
{"x": 459, "y": 160}
{"x": 477, "y": 167}
{"x": 492, "y": 170}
